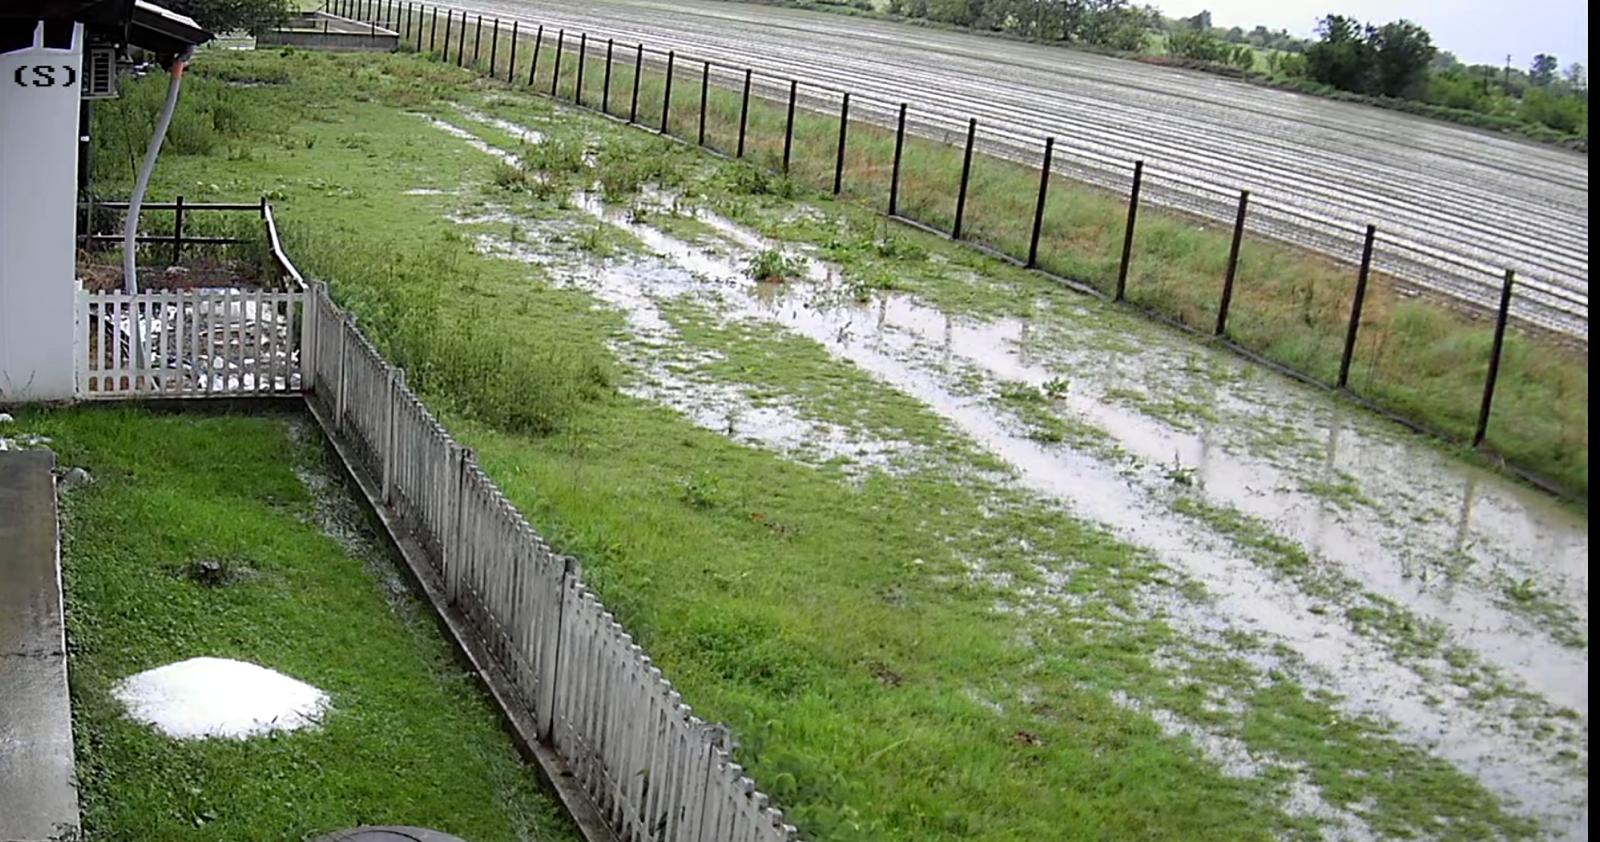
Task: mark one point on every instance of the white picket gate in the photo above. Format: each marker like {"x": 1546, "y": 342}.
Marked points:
{"x": 189, "y": 342}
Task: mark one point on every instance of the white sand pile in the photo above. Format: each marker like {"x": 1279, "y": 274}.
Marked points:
{"x": 218, "y": 697}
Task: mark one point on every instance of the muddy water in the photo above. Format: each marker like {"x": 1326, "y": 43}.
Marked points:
{"x": 919, "y": 351}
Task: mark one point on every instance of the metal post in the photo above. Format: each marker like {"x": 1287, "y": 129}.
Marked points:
{"x": 405, "y": 22}
{"x": 788, "y": 129}
{"x": 744, "y": 113}
{"x": 1038, "y": 210}
{"x": 511, "y": 66}
{"x": 433, "y": 31}
{"x": 177, "y": 230}
{"x": 1355, "y": 307}
{"x": 538, "y": 44}
{"x": 494, "y": 48}
{"x": 583, "y": 53}
{"x": 838, "y": 159}
{"x": 894, "y": 175}
{"x": 1494, "y": 359}
{"x": 1233, "y": 264}
{"x": 555, "y": 75}
{"x": 666, "y": 98}
{"x": 477, "y": 41}
{"x": 445, "y": 54}
{"x": 1127, "y": 231}
{"x": 461, "y": 41}
{"x": 705, "y": 85}
{"x": 605, "y": 85}
{"x": 638, "y": 71}
{"x": 966, "y": 173}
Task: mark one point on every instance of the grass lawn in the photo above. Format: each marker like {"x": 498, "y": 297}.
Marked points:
{"x": 862, "y": 637}
{"x": 411, "y": 738}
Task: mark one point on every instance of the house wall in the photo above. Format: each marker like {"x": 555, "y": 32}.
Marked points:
{"x": 39, "y": 92}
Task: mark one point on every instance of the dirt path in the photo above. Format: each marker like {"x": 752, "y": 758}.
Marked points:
{"x": 1455, "y": 206}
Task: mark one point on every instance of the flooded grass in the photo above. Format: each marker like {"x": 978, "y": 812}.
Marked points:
{"x": 1417, "y": 358}
{"x": 928, "y": 563}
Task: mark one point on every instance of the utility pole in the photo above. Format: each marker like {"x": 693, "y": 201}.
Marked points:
{"x": 1506, "y": 79}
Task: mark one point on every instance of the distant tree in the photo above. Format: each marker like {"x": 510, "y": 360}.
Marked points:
{"x": 1403, "y": 50}
{"x": 1543, "y": 70}
{"x": 1343, "y": 55}
{"x": 253, "y": 16}
{"x": 1200, "y": 22}
{"x": 1564, "y": 113}
{"x": 1576, "y": 76}
{"x": 1446, "y": 60}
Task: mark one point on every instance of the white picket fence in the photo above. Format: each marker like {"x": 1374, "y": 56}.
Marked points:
{"x": 189, "y": 342}
{"x": 654, "y": 770}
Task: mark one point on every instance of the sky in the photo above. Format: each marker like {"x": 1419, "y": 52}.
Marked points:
{"x": 1477, "y": 31}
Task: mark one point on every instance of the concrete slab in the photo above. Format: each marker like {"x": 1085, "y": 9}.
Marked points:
{"x": 38, "y": 793}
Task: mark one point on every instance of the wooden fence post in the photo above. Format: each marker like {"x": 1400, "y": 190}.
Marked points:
{"x": 788, "y": 128}
{"x": 838, "y": 159}
{"x": 1355, "y": 308}
{"x": 538, "y": 46}
{"x": 1494, "y": 359}
{"x": 744, "y": 113}
{"x": 310, "y": 318}
{"x": 1127, "y": 232}
{"x": 450, "y": 551}
{"x": 1233, "y": 264}
{"x": 555, "y": 73}
{"x": 583, "y": 58}
{"x": 666, "y": 98}
{"x": 894, "y": 175}
{"x": 177, "y": 230}
{"x": 461, "y": 41}
{"x": 605, "y": 84}
{"x": 705, "y": 87}
{"x": 638, "y": 73}
{"x": 477, "y": 42}
{"x": 966, "y": 173}
{"x": 397, "y": 382}
{"x": 511, "y": 64}
{"x": 494, "y": 48}
{"x": 346, "y": 328}
{"x": 1038, "y": 210}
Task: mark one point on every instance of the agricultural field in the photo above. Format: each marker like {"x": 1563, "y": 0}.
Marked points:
{"x": 1455, "y": 207}
{"x": 953, "y": 551}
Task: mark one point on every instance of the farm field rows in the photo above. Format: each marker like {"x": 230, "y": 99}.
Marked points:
{"x": 931, "y": 534}
{"x": 1454, "y": 206}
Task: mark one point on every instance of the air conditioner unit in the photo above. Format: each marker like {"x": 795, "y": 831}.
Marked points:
{"x": 100, "y": 72}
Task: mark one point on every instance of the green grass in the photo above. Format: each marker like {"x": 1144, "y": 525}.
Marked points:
{"x": 1418, "y": 359}
{"x": 881, "y": 682}
{"x": 411, "y": 738}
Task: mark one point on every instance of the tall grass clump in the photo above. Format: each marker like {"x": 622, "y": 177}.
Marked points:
{"x": 461, "y": 362}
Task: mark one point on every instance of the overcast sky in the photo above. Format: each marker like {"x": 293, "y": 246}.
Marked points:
{"x": 1477, "y": 31}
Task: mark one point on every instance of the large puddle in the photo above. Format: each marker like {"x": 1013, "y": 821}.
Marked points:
{"x": 1502, "y": 569}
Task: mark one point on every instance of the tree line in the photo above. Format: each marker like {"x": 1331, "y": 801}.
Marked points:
{"x": 1396, "y": 60}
